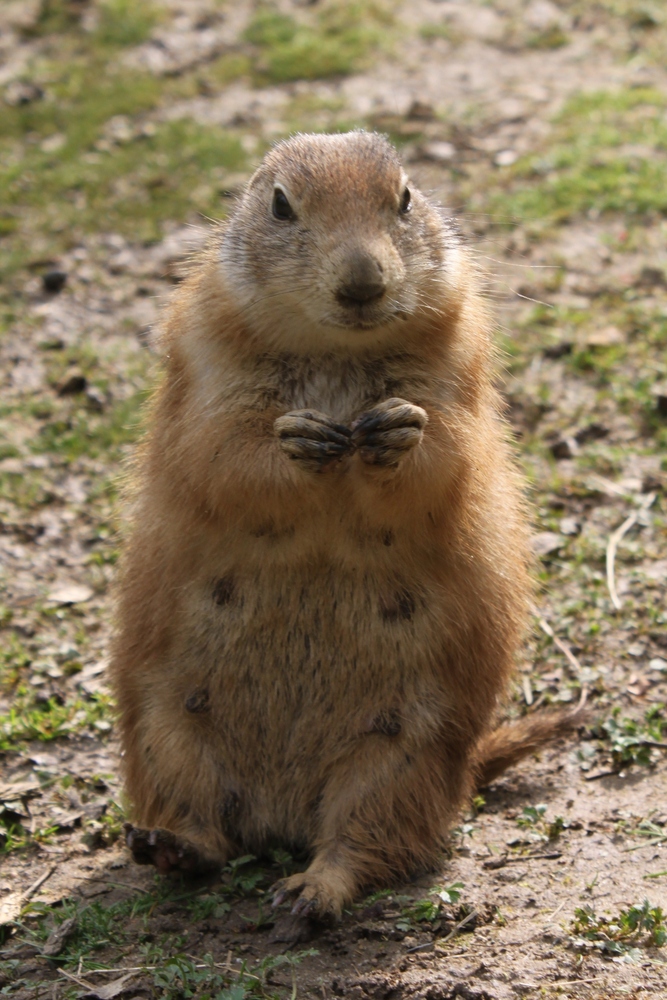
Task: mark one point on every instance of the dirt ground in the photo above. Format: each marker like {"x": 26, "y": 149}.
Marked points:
{"x": 544, "y": 127}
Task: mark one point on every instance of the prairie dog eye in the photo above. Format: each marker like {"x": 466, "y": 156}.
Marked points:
{"x": 405, "y": 201}
{"x": 281, "y": 207}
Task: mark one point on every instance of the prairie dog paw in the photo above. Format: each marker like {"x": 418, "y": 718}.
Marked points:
{"x": 312, "y": 438}
{"x": 320, "y": 895}
{"x": 165, "y": 850}
{"x": 385, "y": 433}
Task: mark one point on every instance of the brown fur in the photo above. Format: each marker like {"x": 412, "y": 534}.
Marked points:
{"x": 312, "y": 655}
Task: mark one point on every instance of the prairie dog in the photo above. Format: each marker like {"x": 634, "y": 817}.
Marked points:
{"x": 326, "y": 579}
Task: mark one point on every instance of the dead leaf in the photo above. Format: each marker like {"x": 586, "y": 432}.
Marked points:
{"x": 547, "y": 542}
{"x": 637, "y": 685}
{"x": 16, "y": 790}
{"x": 70, "y": 593}
{"x": 113, "y": 989}
{"x": 10, "y": 908}
{"x": 57, "y": 938}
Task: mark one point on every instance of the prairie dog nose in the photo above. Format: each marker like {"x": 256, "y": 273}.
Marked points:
{"x": 363, "y": 279}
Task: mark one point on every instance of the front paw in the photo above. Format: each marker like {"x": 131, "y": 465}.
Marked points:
{"x": 384, "y": 434}
{"x": 166, "y": 851}
{"x": 312, "y": 438}
{"x": 319, "y": 896}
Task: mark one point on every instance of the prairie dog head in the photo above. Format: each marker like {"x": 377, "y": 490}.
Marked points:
{"x": 332, "y": 246}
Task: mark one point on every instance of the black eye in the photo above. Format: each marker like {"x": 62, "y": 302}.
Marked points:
{"x": 281, "y": 208}
{"x": 405, "y": 201}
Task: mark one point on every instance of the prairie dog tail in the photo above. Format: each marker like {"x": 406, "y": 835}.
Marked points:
{"x": 512, "y": 741}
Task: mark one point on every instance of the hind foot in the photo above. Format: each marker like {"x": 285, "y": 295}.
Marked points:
{"x": 164, "y": 850}
{"x": 320, "y": 894}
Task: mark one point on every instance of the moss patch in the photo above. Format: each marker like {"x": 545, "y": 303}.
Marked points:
{"x": 608, "y": 154}
{"x": 337, "y": 43}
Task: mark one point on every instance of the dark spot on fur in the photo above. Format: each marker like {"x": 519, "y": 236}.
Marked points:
{"x": 230, "y": 805}
{"x": 387, "y": 723}
{"x": 263, "y": 530}
{"x": 198, "y": 701}
{"x": 387, "y": 537}
{"x": 182, "y": 810}
{"x": 223, "y": 591}
{"x": 270, "y": 532}
{"x": 401, "y": 605}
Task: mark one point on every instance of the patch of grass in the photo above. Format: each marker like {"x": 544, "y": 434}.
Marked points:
{"x": 533, "y": 821}
{"x": 98, "y": 930}
{"x": 430, "y": 910}
{"x": 26, "y": 490}
{"x": 81, "y": 432}
{"x": 85, "y": 152}
{"x": 126, "y": 22}
{"x": 55, "y": 17}
{"x": 441, "y": 29}
{"x": 340, "y": 41}
{"x": 14, "y": 837}
{"x": 134, "y": 187}
{"x": 182, "y": 976}
{"x": 551, "y": 38}
{"x": 49, "y": 720}
{"x": 640, "y": 925}
{"x": 608, "y": 154}
{"x": 226, "y": 68}
{"x": 14, "y": 658}
{"x": 80, "y": 98}
{"x": 629, "y": 740}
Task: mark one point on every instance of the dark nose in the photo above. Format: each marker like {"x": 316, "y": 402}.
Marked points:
{"x": 363, "y": 280}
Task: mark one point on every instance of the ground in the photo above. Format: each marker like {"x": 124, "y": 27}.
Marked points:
{"x": 125, "y": 126}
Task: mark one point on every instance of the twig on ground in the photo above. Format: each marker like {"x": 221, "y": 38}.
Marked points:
{"x": 563, "y": 646}
{"x": 78, "y": 980}
{"x": 454, "y": 931}
{"x": 602, "y": 774}
{"x": 505, "y": 860}
{"x": 575, "y": 982}
{"x": 440, "y": 941}
{"x": 614, "y": 540}
{"x": 39, "y": 883}
{"x": 649, "y": 843}
{"x": 106, "y": 881}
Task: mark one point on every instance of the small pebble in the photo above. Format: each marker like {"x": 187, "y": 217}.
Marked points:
{"x": 54, "y": 281}
{"x": 564, "y": 448}
{"x": 440, "y": 152}
{"x": 95, "y": 398}
{"x": 72, "y": 383}
{"x": 506, "y": 157}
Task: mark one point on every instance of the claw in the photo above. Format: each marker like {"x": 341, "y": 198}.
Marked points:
{"x": 279, "y": 898}
{"x": 304, "y": 907}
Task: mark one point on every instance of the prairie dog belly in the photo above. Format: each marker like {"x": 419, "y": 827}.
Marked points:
{"x": 283, "y": 671}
